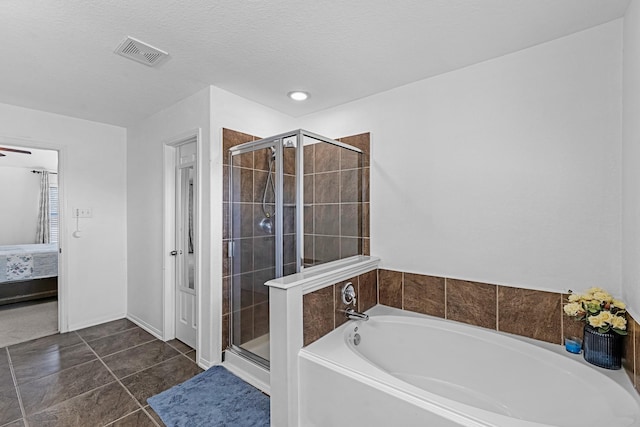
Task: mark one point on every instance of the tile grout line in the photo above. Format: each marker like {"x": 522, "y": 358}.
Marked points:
{"x": 561, "y": 322}
{"x": 15, "y": 384}
{"x": 106, "y": 336}
{"x": 402, "y": 289}
{"x": 88, "y": 361}
{"x": 129, "y": 348}
{"x": 377, "y": 286}
{"x": 333, "y": 302}
{"x": 119, "y": 382}
{"x": 127, "y": 415}
{"x": 497, "y": 309}
{"x": 445, "y": 298}
{"x": 185, "y": 355}
{"x": 71, "y": 398}
{"x": 84, "y": 342}
{"x": 58, "y": 372}
{"x": 154, "y": 365}
{"x": 39, "y": 352}
{"x": 190, "y": 349}
{"x": 102, "y": 386}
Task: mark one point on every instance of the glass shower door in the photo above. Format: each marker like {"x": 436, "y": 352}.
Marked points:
{"x": 255, "y": 231}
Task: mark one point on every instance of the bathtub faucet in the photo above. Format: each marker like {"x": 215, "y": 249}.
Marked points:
{"x": 349, "y": 298}
{"x": 351, "y": 314}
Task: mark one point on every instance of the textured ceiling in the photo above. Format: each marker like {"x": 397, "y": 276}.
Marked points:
{"x": 58, "y": 55}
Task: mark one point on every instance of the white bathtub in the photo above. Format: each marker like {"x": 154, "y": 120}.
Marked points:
{"x": 413, "y": 370}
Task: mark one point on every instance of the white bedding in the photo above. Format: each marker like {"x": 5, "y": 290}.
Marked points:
{"x": 27, "y": 262}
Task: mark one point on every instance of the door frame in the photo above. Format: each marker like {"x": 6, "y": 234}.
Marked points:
{"x": 170, "y": 148}
{"x": 63, "y": 310}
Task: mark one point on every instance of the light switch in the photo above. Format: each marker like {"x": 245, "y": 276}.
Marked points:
{"x": 82, "y": 213}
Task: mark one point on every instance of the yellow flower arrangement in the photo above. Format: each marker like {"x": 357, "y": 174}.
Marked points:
{"x": 599, "y": 309}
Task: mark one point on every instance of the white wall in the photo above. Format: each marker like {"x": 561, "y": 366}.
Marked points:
{"x": 19, "y": 192}
{"x": 210, "y": 109}
{"x": 145, "y": 187}
{"x": 631, "y": 159}
{"x": 92, "y": 166}
{"x": 506, "y": 172}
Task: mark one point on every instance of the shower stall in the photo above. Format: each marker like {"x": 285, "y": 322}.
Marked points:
{"x": 295, "y": 202}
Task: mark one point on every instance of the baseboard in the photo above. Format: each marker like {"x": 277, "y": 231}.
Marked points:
{"x": 147, "y": 327}
{"x": 204, "y": 363}
{"x": 94, "y": 322}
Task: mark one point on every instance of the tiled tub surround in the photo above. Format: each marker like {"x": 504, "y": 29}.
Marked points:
{"x": 631, "y": 360}
{"x": 96, "y": 376}
{"x": 503, "y": 308}
{"x": 322, "y": 308}
{"x": 257, "y": 247}
{"x": 480, "y": 304}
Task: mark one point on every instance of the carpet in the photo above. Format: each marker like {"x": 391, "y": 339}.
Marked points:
{"x": 214, "y": 397}
{"x": 23, "y": 322}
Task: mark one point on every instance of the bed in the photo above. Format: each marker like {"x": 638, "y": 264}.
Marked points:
{"x": 28, "y": 272}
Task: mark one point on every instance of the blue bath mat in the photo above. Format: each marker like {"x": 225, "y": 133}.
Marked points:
{"x": 214, "y": 397}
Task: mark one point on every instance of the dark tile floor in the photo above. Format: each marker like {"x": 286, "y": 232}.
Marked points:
{"x": 99, "y": 376}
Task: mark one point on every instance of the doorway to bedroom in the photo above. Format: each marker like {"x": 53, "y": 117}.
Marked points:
{"x": 29, "y": 250}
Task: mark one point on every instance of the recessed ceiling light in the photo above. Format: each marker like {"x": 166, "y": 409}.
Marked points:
{"x": 298, "y": 95}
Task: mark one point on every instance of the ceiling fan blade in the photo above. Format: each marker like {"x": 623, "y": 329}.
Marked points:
{"x": 13, "y": 150}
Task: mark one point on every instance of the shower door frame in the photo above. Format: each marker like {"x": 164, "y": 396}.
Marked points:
{"x": 280, "y": 142}
{"x": 275, "y": 142}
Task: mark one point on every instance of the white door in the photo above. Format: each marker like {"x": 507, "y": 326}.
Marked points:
{"x": 185, "y": 245}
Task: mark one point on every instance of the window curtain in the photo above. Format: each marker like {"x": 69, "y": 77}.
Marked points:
{"x": 42, "y": 233}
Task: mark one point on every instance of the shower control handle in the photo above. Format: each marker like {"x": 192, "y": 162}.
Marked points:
{"x": 349, "y": 294}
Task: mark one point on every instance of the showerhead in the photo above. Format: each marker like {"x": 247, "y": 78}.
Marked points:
{"x": 266, "y": 225}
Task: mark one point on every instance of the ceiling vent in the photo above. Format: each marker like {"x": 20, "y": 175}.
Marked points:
{"x": 141, "y": 52}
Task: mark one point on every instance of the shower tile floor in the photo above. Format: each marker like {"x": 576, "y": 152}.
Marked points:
{"x": 98, "y": 376}
{"x": 259, "y": 346}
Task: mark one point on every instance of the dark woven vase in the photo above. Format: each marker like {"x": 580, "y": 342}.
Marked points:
{"x": 603, "y": 350}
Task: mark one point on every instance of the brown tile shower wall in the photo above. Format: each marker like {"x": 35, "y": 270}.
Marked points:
{"x": 336, "y": 189}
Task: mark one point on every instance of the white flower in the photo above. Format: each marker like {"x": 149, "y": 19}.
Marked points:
{"x": 574, "y": 297}
{"x": 595, "y": 321}
{"x": 619, "y": 322}
{"x": 573, "y": 308}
